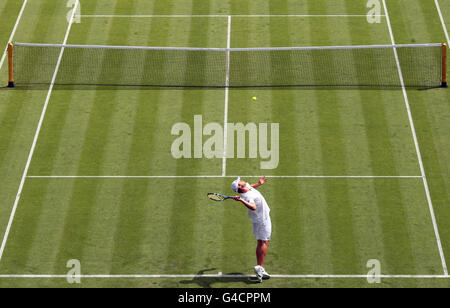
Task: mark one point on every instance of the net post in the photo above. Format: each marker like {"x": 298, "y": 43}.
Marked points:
{"x": 10, "y": 66}
{"x": 444, "y": 65}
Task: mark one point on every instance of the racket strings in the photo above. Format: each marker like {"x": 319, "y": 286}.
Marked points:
{"x": 215, "y": 197}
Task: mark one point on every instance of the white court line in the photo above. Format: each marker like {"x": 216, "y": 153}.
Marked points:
{"x": 443, "y": 23}
{"x": 36, "y": 136}
{"x": 222, "y": 176}
{"x": 223, "y": 16}
{"x": 416, "y": 144}
{"x": 228, "y": 276}
{"x": 13, "y": 33}
{"x": 225, "y": 117}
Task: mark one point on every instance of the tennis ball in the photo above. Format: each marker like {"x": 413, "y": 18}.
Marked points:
{"x": 254, "y": 98}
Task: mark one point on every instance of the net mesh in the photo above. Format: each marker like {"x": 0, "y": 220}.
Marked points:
{"x": 421, "y": 66}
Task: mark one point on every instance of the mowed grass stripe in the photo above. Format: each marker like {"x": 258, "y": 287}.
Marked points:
{"x": 238, "y": 7}
{"x": 134, "y": 233}
{"x": 171, "y": 101}
{"x": 125, "y": 202}
{"x": 4, "y": 5}
{"x": 378, "y": 155}
{"x": 109, "y": 204}
{"x": 299, "y": 213}
{"x": 287, "y": 7}
{"x": 142, "y": 232}
{"x": 350, "y": 101}
{"x": 10, "y": 116}
{"x": 119, "y": 139}
{"x": 181, "y": 215}
{"x": 339, "y": 214}
{"x": 181, "y": 254}
{"x": 91, "y": 162}
{"x": 315, "y": 257}
{"x": 287, "y": 206}
{"x": 249, "y": 32}
{"x": 145, "y": 129}
{"x": 68, "y": 148}
{"x": 206, "y": 231}
{"x": 111, "y": 193}
{"x": 145, "y": 225}
{"x": 356, "y": 145}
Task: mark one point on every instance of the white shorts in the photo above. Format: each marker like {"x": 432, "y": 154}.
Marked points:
{"x": 262, "y": 230}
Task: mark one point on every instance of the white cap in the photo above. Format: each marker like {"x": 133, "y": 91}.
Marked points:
{"x": 234, "y": 185}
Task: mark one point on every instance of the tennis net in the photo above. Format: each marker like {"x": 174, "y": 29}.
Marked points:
{"x": 421, "y": 65}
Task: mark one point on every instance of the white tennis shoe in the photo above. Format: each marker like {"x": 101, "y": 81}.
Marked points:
{"x": 265, "y": 274}
{"x": 261, "y": 273}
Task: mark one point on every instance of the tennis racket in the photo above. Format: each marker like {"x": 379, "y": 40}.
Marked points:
{"x": 218, "y": 197}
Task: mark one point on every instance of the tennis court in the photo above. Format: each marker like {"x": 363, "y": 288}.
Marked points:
{"x": 88, "y": 173}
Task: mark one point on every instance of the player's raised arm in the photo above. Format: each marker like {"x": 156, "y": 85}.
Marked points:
{"x": 261, "y": 181}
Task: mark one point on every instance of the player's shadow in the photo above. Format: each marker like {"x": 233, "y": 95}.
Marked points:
{"x": 206, "y": 281}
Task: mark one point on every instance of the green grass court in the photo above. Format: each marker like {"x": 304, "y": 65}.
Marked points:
{"x": 101, "y": 185}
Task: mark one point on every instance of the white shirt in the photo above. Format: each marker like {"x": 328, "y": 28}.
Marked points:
{"x": 261, "y": 214}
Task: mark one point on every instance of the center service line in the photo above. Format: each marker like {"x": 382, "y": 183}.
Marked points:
{"x": 225, "y": 117}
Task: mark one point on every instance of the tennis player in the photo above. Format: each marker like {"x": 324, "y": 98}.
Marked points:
{"x": 258, "y": 210}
